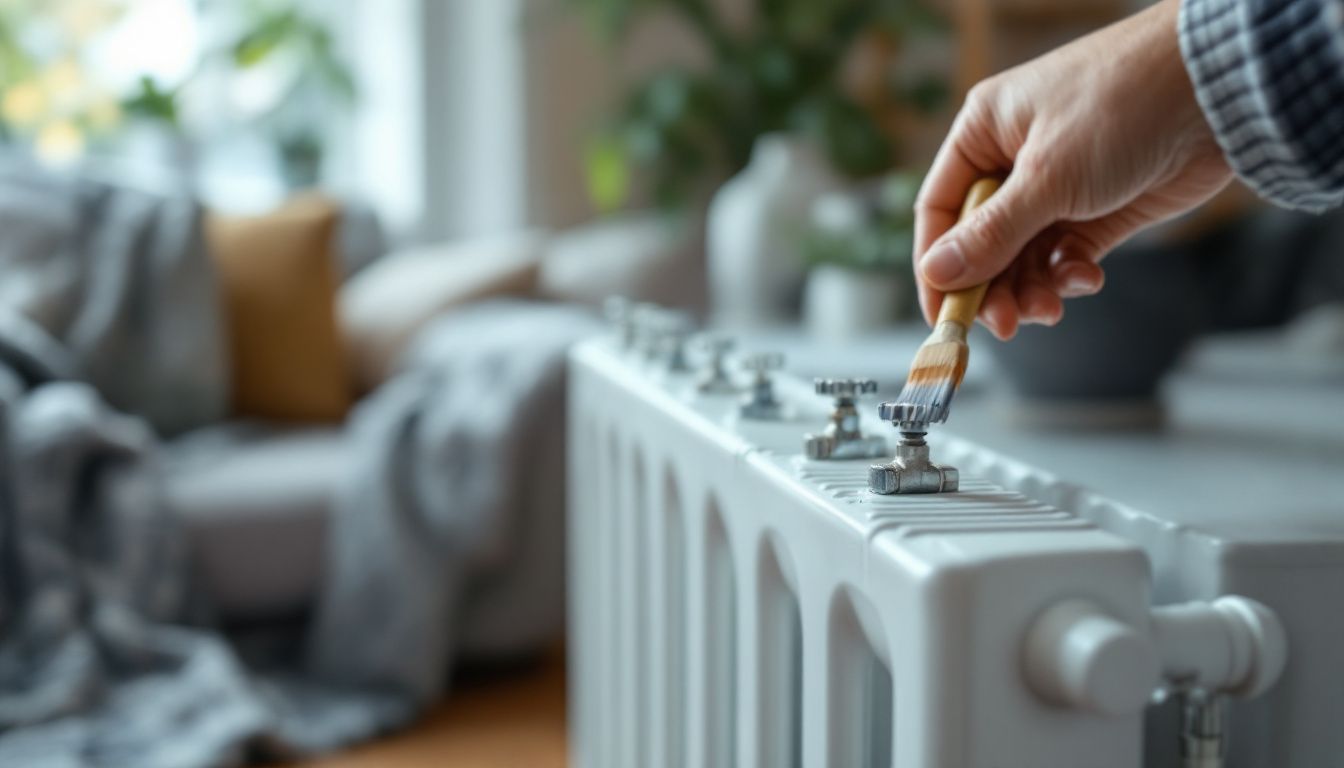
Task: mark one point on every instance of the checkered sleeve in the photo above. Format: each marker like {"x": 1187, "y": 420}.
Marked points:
{"x": 1269, "y": 75}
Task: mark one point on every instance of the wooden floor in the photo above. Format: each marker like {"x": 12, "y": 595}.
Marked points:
{"x": 514, "y": 721}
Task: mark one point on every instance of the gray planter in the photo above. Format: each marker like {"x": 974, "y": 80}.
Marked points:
{"x": 1104, "y": 363}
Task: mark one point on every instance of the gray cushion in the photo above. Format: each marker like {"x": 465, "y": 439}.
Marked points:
{"x": 255, "y": 507}
{"x": 256, "y": 503}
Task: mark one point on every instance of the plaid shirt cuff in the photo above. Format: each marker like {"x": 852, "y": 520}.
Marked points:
{"x": 1269, "y": 75}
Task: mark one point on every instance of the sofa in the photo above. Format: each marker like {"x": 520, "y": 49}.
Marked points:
{"x": 255, "y": 497}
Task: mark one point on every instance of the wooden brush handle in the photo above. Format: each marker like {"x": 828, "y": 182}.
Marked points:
{"x": 962, "y": 306}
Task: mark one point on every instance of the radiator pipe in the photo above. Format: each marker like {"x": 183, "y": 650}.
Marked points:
{"x": 1201, "y": 730}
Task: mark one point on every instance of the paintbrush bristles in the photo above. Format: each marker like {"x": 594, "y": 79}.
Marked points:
{"x": 937, "y": 371}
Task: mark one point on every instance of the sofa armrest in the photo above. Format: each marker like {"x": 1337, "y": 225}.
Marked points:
{"x": 382, "y": 307}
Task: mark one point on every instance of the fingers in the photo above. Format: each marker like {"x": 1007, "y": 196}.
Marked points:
{"x": 982, "y": 246}
{"x": 1059, "y": 263}
{"x": 1072, "y": 264}
{"x": 969, "y": 152}
{"x": 1073, "y": 277}
{"x": 1037, "y": 299}
{"x": 999, "y": 312}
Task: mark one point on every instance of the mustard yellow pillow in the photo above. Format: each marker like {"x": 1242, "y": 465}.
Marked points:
{"x": 278, "y": 276}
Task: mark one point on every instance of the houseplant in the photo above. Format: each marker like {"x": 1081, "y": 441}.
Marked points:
{"x": 57, "y": 99}
{"x": 858, "y": 248}
{"x": 785, "y": 77}
{"x": 297, "y": 48}
{"x": 783, "y": 73}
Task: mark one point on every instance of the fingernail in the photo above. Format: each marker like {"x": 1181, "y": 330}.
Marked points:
{"x": 1075, "y": 286}
{"x": 944, "y": 263}
{"x": 1073, "y": 281}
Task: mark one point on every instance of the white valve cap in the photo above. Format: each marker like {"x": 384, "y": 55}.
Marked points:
{"x": 1078, "y": 656}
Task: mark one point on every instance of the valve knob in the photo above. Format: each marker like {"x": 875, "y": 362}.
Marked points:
{"x": 1079, "y": 656}
{"x": 848, "y": 388}
{"x": 672, "y": 328}
{"x": 715, "y": 345}
{"x": 714, "y": 378}
{"x": 644, "y": 322}
{"x": 762, "y": 363}
{"x": 842, "y": 438}
{"x": 619, "y": 312}
{"x": 761, "y": 403}
{"x": 906, "y": 415}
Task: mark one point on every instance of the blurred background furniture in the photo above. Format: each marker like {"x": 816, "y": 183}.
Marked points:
{"x": 567, "y": 151}
{"x": 256, "y": 496}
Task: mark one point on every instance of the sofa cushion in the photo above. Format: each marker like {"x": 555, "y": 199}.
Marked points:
{"x": 279, "y": 277}
{"x": 643, "y": 256}
{"x": 255, "y": 507}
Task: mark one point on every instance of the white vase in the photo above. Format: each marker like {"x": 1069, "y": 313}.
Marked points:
{"x": 841, "y": 303}
{"x": 755, "y": 224}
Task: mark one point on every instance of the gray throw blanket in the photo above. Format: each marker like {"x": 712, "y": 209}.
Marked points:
{"x": 117, "y": 277}
{"x": 107, "y": 655}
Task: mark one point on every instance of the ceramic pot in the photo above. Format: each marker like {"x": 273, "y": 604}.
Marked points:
{"x": 755, "y": 223}
{"x": 1102, "y": 366}
{"x": 840, "y": 303}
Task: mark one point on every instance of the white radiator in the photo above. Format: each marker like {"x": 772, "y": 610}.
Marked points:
{"x": 736, "y": 604}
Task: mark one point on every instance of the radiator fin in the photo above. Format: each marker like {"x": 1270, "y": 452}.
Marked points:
{"x": 780, "y": 658}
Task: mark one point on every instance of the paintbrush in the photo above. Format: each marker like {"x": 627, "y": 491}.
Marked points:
{"x": 940, "y": 363}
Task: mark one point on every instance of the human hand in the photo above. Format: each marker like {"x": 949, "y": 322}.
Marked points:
{"x": 1099, "y": 139}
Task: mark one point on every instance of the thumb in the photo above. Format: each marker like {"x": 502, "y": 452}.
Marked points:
{"x": 988, "y": 239}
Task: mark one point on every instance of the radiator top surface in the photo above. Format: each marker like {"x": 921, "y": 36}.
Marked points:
{"x": 1252, "y": 449}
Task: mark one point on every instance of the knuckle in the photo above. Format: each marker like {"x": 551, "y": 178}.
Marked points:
{"x": 1047, "y": 182}
{"x": 1031, "y": 162}
{"x": 982, "y": 95}
{"x": 923, "y": 201}
{"x": 1036, "y": 167}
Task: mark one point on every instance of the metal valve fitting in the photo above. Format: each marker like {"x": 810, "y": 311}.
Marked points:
{"x": 659, "y": 335}
{"x": 714, "y": 378}
{"x": 842, "y": 438}
{"x": 646, "y": 333}
{"x": 674, "y": 327}
{"x": 619, "y": 312}
{"x": 760, "y": 402}
{"x": 907, "y": 417}
{"x": 911, "y": 471}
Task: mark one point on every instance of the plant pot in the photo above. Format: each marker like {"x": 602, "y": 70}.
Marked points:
{"x": 1103, "y": 365}
{"x": 755, "y": 224}
{"x": 840, "y": 303}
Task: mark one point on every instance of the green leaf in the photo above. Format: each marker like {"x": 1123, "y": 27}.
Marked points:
{"x": 925, "y": 93}
{"x": 856, "y": 144}
{"x": 608, "y": 172}
{"x": 270, "y": 33}
{"x": 151, "y": 102}
{"x": 338, "y": 77}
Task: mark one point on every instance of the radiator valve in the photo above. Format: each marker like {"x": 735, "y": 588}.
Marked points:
{"x": 760, "y": 403}
{"x": 911, "y": 471}
{"x": 714, "y": 378}
{"x": 842, "y": 438}
{"x": 659, "y": 335}
{"x": 674, "y": 328}
{"x": 620, "y": 314}
{"x": 646, "y": 333}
